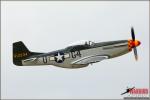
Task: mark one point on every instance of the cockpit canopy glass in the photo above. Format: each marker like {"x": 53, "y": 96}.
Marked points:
{"x": 80, "y": 45}
{"x": 82, "y": 42}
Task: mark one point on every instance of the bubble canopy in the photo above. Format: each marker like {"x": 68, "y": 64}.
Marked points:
{"x": 82, "y": 42}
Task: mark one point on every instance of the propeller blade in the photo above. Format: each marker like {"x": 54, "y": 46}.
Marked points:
{"x": 132, "y": 34}
{"x": 135, "y": 53}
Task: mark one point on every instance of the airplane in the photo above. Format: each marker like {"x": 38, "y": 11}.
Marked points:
{"x": 127, "y": 90}
{"x": 77, "y": 55}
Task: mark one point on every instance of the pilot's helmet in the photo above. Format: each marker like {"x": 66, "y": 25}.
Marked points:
{"x": 86, "y": 43}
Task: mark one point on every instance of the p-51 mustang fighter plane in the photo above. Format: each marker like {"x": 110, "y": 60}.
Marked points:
{"x": 75, "y": 56}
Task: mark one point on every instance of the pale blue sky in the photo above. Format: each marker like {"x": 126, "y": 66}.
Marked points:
{"x": 51, "y": 25}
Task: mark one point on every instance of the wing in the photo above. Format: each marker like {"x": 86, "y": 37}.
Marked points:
{"x": 90, "y": 59}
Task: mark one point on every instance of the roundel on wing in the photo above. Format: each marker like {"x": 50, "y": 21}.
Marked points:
{"x": 59, "y": 57}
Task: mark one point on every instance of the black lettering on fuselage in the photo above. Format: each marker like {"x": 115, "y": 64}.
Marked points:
{"x": 44, "y": 59}
{"x": 75, "y": 54}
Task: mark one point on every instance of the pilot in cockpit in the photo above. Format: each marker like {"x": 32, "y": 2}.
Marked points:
{"x": 86, "y": 43}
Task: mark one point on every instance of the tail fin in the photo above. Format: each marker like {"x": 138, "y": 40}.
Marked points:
{"x": 20, "y": 52}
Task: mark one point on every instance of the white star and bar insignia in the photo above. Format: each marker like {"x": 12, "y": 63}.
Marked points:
{"x": 59, "y": 57}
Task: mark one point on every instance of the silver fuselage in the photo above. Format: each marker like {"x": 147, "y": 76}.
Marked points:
{"x": 111, "y": 49}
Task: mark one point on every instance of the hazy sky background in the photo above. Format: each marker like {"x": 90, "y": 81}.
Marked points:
{"x": 50, "y": 25}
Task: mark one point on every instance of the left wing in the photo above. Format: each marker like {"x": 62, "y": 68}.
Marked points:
{"x": 90, "y": 59}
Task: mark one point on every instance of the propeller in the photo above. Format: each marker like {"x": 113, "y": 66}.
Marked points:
{"x": 134, "y": 43}
{"x": 132, "y": 34}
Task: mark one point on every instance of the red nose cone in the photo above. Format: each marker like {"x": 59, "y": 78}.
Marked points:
{"x": 137, "y": 43}
{"x": 132, "y": 44}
